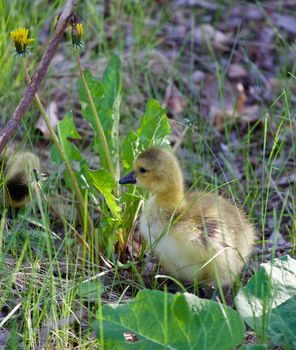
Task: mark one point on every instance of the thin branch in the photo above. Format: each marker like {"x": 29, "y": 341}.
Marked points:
{"x": 25, "y": 102}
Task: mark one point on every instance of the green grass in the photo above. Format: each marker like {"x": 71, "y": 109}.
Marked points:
{"x": 48, "y": 281}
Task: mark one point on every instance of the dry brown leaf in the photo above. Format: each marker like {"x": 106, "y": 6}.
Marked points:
{"x": 241, "y": 98}
{"x": 237, "y": 110}
{"x": 250, "y": 114}
{"x": 210, "y": 91}
{"x": 285, "y": 21}
{"x": 4, "y": 335}
{"x": 207, "y": 33}
{"x": 174, "y": 101}
{"x": 236, "y": 71}
{"x": 209, "y": 5}
{"x": 219, "y": 116}
{"x": 287, "y": 180}
{"x": 52, "y": 113}
{"x": 198, "y": 76}
{"x": 175, "y": 31}
{"x": 158, "y": 63}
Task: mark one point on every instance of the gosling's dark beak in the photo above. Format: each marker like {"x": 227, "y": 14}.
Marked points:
{"x": 130, "y": 178}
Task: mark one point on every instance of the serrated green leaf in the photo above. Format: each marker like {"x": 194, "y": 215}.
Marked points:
{"x": 268, "y": 302}
{"x": 129, "y": 146}
{"x": 105, "y": 183}
{"x": 165, "y": 321}
{"x": 66, "y": 129}
{"x": 154, "y": 129}
{"x": 154, "y": 125}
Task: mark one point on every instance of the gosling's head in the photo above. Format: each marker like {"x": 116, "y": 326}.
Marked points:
{"x": 156, "y": 170}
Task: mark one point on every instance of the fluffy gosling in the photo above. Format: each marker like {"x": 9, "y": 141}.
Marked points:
{"x": 201, "y": 237}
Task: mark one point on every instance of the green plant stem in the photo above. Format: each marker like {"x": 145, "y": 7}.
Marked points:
{"x": 97, "y": 119}
{"x": 122, "y": 240}
{"x": 79, "y": 196}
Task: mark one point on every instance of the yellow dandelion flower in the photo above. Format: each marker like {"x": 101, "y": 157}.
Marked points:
{"x": 76, "y": 35}
{"x": 21, "y": 40}
{"x": 79, "y": 28}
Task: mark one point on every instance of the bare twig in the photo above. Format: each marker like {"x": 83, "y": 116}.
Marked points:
{"x": 26, "y": 100}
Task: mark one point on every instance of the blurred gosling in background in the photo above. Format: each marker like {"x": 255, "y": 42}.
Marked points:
{"x": 16, "y": 176}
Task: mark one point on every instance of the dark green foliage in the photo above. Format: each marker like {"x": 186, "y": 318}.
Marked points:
{"x": 165, "y": 321}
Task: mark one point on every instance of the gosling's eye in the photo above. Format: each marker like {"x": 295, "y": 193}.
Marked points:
{"x": 142, "y": 170}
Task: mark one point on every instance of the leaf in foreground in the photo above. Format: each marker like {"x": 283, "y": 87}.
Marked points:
{"x": 268, "y": 302}
{"x": 157, "y": 320}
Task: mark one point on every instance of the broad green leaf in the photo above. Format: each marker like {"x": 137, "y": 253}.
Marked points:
{"x": 154, "y": 126}
{"x": 66, "y": 129}
{"x": 166, "y": 321}
{"x": 268, "y": 302}
{"x": 129, "y": 145}
{"x": 154, "y": 129}
{"x": 105, "y": 183}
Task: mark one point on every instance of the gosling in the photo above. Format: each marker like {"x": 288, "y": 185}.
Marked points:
{"x": 199, "y": 237}
{"x": 16, "y": 175}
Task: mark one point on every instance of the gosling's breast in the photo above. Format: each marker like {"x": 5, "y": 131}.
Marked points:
{"x": 180, "y": 250}
{"x": 154, "y": 222}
